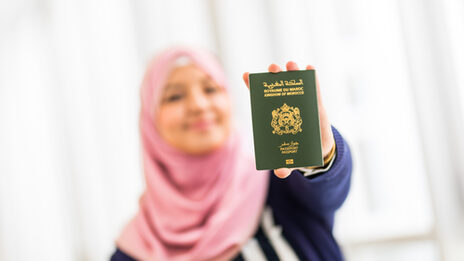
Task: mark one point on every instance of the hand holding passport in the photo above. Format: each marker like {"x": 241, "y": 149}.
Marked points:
{"x": 290, "y": 124}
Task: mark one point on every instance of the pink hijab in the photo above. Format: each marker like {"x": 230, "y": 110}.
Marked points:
{"x": 193, "y": 207}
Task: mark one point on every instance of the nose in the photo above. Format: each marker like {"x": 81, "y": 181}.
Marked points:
{"x": 197, "y": 100}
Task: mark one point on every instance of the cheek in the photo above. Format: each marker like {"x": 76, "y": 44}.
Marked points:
{"x": 223, "y": 107}
{"x": 170, "y": 119}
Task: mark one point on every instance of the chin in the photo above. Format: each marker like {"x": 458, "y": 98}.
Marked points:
{"x": 203, "y": 144}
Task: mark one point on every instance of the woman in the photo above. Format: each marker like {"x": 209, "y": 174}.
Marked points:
{"x": 204, "y": 198}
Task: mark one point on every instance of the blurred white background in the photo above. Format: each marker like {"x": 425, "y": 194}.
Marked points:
{"x": 391, "y": 75}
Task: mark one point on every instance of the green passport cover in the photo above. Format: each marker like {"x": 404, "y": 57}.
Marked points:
{"x": 285, "y": 119}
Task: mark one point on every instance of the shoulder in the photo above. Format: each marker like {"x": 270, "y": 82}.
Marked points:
{"x": 119, "y": 255}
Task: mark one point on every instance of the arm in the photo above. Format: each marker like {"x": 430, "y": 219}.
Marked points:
{"x": 324, "y": 192}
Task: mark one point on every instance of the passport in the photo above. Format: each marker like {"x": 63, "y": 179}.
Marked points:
{"x": 284, "y": 111}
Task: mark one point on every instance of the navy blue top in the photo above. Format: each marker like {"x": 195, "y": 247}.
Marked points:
{"x": 304, "y": 208}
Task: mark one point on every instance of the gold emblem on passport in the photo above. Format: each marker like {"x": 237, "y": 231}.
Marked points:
{"x": 289, "y": 161}
{"x": 286, "y": 120}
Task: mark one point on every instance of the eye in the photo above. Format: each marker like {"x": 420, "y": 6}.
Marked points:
{"x": 173, "y": 97}
{"x": 210, "y": 89}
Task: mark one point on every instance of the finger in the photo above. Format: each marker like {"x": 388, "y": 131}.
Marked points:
{"x": 282, "y": 172}
{"x": 326, "y": 130}
{"x": 274, "y": 68}
{"x": 246, "y": 79}
{"x": 292, "y": 66}
{"x": 309, "y": 67}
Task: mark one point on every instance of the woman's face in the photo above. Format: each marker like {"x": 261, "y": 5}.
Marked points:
{"x": 194, "y": 114}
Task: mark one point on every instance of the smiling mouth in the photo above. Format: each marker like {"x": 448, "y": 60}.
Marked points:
{"x": 201, "y": 125}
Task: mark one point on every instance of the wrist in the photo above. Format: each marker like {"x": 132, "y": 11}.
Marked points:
{"x": 327, "y": 158}
{"x": 330, "y": 155}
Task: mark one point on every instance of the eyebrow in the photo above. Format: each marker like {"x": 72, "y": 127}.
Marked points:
{"x": 174, "y": 86}
{"x": 207, "y": 78}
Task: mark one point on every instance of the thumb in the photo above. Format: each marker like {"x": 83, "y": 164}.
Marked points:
{"x": 283, "y": 172}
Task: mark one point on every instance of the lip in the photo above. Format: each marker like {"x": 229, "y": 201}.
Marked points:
{"x": 201, "y": 125}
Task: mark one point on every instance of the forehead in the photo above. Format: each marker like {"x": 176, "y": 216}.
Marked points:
{"x": 186, "y": 74}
